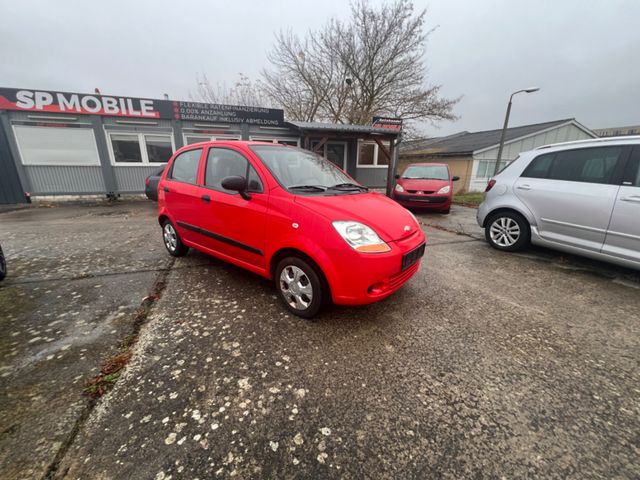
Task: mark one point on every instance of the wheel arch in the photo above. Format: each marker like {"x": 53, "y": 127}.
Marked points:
{"x": 499, "y": 210}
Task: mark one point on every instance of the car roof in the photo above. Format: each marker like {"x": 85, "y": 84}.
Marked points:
{"x": 592, "y": 142}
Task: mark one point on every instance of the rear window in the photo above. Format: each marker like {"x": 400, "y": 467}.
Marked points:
{"x": 185, "y": 166}
{"x": 588, "y": 165}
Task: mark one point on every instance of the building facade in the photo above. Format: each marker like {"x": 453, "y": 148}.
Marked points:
{"x": 61, "y": 143}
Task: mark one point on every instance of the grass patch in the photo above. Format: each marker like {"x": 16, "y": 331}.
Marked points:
{"x": 468, "y": 198}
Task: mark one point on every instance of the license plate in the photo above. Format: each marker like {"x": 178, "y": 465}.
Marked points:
{"x": 412, "y": 257}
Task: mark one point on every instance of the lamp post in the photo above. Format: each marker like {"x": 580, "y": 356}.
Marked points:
{"x": 506, "y": 122}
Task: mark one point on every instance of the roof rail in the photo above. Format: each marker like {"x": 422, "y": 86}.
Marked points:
{"x": 590, "y": 140}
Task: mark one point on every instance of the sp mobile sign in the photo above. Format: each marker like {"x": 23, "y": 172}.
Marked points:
{"x": 389, "y": 123}
{"x": 47, "y": 101}
{"x": 80, "y": 103}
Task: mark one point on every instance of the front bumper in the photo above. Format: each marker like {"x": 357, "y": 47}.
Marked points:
{"x": 430, "y": 201}
{"x": 367, "y": 278}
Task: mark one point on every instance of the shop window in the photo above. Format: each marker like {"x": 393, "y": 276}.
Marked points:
{"x": 159, "y": 148}
{"x": 56, "y": 145}
{"x": 126, "y": 149}
{"x": 371, "y": 155}
{"x": 140, "y": 148}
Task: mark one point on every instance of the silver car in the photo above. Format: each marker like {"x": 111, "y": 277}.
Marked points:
{"x": 580, "y": 197}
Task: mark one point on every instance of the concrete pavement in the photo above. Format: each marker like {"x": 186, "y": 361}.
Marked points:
{"x": 483, "y": 365}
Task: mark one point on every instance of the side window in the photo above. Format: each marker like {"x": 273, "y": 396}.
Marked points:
{"x": 223, "y": 162}
{"x": 632, "y": 172}
{"x": 185, "y": 166}
{"x": 539, "y": 166}
{"x": 590, "y": 165}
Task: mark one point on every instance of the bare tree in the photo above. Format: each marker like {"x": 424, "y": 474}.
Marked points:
{"x": 349, "y": 71}
{"x": 244, "y": 92}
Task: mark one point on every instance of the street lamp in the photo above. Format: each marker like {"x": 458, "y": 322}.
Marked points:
{"x": 506, "y": 122}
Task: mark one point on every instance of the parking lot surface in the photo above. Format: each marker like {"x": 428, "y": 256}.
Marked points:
{"x": 484, "y": 365}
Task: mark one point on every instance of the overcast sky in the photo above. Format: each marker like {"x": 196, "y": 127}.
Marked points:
{"x": 583, "y": 54}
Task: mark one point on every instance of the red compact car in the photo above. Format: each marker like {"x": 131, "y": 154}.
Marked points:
{"x": 425, "y": 185}
{"x": 289, "y": 215}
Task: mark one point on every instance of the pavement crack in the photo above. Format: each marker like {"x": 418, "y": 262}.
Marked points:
{"x": 125, "y": 348}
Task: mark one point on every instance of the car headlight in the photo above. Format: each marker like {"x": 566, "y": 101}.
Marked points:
{"x": 360, "y": 237}
{"x": 445, "y": 189}
{"x": 399, "y": 188}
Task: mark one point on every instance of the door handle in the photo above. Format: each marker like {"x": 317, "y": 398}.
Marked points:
{"x": 166, "y": 189}
{"x": 632, "y": 198}
{"x": 206, "y": 198}
{"x": 524, "y": 187}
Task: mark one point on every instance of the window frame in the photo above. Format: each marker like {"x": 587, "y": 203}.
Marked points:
{"x": 169, "y": 175}
{"x": 246, "y": 176}
{"x": 210, "y": 138}
{"x": 142, "y": 145}
{"x": 276, "y": 140}
{"x": 376, "y": 154}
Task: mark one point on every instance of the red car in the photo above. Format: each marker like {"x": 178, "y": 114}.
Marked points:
{"x": 425, "y": 185}
{"x": 291, "y": 216}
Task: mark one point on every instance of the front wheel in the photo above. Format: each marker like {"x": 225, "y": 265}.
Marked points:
{"x": 299, "y": 286}
{"x": 507, "y": 231}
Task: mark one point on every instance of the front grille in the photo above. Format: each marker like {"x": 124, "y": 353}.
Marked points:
{"x": 426, "y": 199}
{"x": 424, "y": 192}
{"x": 398, "y": 279}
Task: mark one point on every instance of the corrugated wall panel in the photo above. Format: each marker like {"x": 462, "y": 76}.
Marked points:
{"x": 131, "y": 179}
{"x": 48, "y": 180}
{"x": 372, "y": 177}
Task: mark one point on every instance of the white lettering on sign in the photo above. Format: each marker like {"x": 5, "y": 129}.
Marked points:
{"x": 72, "y": 102}
{"x": 25, "y": 99}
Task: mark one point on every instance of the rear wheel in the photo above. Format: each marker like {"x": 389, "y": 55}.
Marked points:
{"x": 172, "y": 241}
{"x": 300, "y": 287}
{"x": 507, "y": 231}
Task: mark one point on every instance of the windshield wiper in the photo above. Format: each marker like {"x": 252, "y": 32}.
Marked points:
{"x": 349, "y": 186}
{"x": 317, "y": 188}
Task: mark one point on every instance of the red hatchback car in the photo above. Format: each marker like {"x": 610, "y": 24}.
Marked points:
{"x": 425, "y": 185}
{"x": 289, "y": 215}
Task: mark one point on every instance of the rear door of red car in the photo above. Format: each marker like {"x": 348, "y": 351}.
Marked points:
{"x": 182, "y": 193}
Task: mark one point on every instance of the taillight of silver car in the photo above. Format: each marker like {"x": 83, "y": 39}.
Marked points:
{"x": 490, "y": 185}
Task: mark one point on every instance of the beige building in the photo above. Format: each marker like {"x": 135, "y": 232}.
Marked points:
{"x": 617, "y": 131}
{"x": 472, "y": 155}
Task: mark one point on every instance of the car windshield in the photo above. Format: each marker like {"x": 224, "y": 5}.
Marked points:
{"x": 303, "y": 171}
{"x": 435, "y": 172}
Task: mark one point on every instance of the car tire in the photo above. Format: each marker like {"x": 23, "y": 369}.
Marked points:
{"x": 507, "y": 231}
{"x": 3, "y": 266}
{"x": 300, "y": 287}
{"x": 172, "y": 241}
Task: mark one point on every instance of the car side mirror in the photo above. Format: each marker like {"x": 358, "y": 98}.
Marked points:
{"x": 455, "y": 178}
{"x": 397, "y": 176}
{"x": 236, "y": 183}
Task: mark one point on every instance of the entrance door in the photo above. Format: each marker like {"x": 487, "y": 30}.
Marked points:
{"x": 336, "y": 153}
{"x": 10, "y": 187}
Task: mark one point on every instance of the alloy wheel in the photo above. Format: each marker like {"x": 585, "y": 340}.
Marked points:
{"x": 504, "y": 231}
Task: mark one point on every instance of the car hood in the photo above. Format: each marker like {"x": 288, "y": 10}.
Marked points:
{"x": 423, "y": 184}
{"x": 390, "y": 220}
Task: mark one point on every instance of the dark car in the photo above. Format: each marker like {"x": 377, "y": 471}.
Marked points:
{"x": 3, "y": 265}
{"x": 151, "y": 184}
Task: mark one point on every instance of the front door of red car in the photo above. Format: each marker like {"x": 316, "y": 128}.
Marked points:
{"x": 181, "y": 192}
{"x": 235, "y": 226}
